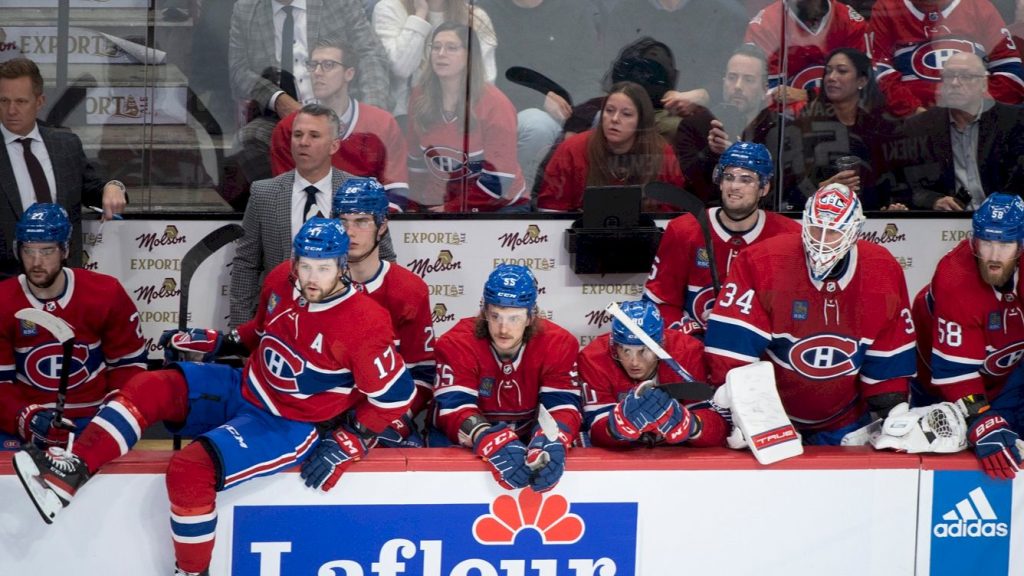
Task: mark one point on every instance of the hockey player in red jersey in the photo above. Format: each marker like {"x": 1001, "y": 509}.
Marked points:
{"x": 911, "y": 40}
{"x": 362, "y": 206}
{"x": 613, "y": 366}
{"x": 109, "y": 348}
{"x": 814, "y": 28}
{"x": 970, "y": 334}
{"x": 680, "y": 282}
{"x": 257, "y": 421}
{"x": 829, "y": 311}
{"x": 495, "y": 371}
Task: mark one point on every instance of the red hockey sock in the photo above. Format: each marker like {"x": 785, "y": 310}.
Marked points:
{"x": 191, "y": 488}
{"x": 148, "y": 397}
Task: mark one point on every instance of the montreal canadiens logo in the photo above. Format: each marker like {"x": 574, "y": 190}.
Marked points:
{"x": 446, "y": 163}
{"x": 929, "y": 58}
{"x": 823, "y": 356}
{"x": 808, "y": 78}
{"x": 1001, "y": 362}
{"x": 282, "y": 365}
{"x": 702, "y": 304}
{"x": 43, "y": 366}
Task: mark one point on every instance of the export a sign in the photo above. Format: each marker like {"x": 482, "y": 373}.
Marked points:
{"x": 535, "y": 534}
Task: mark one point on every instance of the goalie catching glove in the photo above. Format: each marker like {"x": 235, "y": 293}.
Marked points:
{"x": 938, "y": 428}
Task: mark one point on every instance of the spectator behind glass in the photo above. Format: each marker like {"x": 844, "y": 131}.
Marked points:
{"x": 459, "y": 163}
{"x": 912, "y": 39}
{"x": 624, "y": 150}
{"x": 403, "y": 26}
{"x": 846, "y": 120}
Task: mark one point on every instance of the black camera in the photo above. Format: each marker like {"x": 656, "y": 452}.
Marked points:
{"x": 962, "y": 197}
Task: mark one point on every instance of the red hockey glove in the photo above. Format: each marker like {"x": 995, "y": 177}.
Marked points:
{"x": 36, "y": 424}
{"x": 996, "y": 446}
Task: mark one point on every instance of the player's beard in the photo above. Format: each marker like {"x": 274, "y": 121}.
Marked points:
{"x": 324, "y": 292}
{"x": 47, "y": 279}
{"x": 996, "y": 278}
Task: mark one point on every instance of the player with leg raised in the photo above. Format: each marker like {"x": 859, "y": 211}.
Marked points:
{"x": 618, "y": 411}
{"x": 258, "y": 420}
{"x": 108, "y": 344}
{"x": 828, "y": 311}
{"x": 502, "y": 377}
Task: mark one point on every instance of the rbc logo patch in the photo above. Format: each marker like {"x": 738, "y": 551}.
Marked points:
{"x": 800, "y": 310}
{"x": 42, "y": 366}
{"x": 823, "y": 356}
{"x": 283, "y": 365}
{"x": 28, "y": 328}
{"x": 702, "y": 258}
{"x": 929, "y": 58}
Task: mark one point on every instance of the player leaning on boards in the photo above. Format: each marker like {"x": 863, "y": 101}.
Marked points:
{"x": 612, "y": 368}
{"x": 310, "y": 366}
{"x": 497, "y": 375}
{"x": 971, "y": 330}
{"x": 829, "y": 312}
{"x": 109, "y": 348}
{"x": 362, "y": 206}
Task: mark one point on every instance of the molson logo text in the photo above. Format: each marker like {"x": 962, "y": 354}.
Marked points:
{"x": 147, "y": 294}
{"x": 513, "y": 240}
{"x": 890, "y": 235}
{"x": 150, "y": 240}
{"x": 441, "y": 314}
{"x": 528, "y": 534}
{"x": 445, "y": 261}
{"x": 598, "y": 318}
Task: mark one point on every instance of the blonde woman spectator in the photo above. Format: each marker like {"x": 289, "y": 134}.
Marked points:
{"x": 404, "y": 27}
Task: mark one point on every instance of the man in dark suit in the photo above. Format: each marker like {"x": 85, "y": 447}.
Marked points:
{"x": 278, "y": 207}
{"x": 955, "y": 155}
{"x": 40, "y": 164}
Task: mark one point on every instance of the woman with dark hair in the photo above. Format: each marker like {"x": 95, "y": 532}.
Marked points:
{"x": 845, "y": 132}
{"x": 462, "y": 133}
{"x": 625, "y": 149}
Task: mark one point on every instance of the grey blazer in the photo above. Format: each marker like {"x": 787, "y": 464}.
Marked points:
{"x": 251, "y": 47}
{"x": 76, "y": 182}
{"x": 267, "y": 241}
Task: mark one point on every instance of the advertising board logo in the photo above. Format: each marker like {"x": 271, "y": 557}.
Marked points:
{"x": 170, "y": 237}
{"x": 441, "y": 314}
{"x": 513, "y": 240}
{"x": 6, "y": 46}
{"x": 169, "y": 289}
{"x": 533, "y": 264}
{"x": 627, "y": 290}
{"x": 452, "y": 238}
{"x": 87, "y": 262}
{"x": 513, "y": 535}
{"x": 890, "y": 235}
{"x": 598, "y": 318}
{"x": 127, "y": 106}
{"x": 970, "y": 520}
{"x": 444, "y": 262}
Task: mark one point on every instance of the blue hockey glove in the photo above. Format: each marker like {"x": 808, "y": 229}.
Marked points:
{"x": 500, "y": 447}
{"x": 547, "y": 460}
{"x": 995, "y": 445}
{"x": 634, "y": 415}
{"x": 336, "y": 451}
{"x": 197, "y": 341}
{"x": 402, "y": 433}
{"x": 36, "y": 424}
{"x": 672, "y": 420}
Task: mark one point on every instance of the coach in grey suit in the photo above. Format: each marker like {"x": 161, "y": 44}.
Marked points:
{"x": 71, "y": 179}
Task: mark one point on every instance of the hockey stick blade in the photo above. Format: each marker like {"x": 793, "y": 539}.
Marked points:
{"x": 660, "y": 352}
{"x": 60, "y": 329}
{"x": 530, "y": 78}
{"x": 197, "y": 255}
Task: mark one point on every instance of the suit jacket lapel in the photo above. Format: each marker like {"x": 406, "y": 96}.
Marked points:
{"x": 59, "y": 167}
{"x": 262, "y": 32}
{"x": 8, "y": 184}
{"x": 283, "y": 213}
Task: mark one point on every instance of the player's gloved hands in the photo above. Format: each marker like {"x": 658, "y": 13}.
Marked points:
{"x": 192, "y": 343}
{"x": 996, "y": 446}
{"x": 547, "y": 460}
{"x": 672, "y": 420}
{"x": 337, "y": 450}
{"x": 635, "y": 413}
{"x": 37, "y": 424}
{"x": 500, "y": 447}
{"x": 689, "y": 327}
{"x": 402, "y": 433}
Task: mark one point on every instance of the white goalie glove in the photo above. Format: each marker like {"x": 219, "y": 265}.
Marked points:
{"x": 938, "y": 428}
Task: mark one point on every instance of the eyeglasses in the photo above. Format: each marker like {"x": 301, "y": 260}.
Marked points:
{"x": 360, "y": 223}
{"x": 437, "y": 48}
{"x": 963, "y": 77}
{"x": 29, "y": 252}
{"x": 326, "y": 65}
{"x": 742, "y": 179}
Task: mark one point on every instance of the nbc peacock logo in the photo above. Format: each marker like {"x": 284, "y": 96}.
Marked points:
{"x": 548, "y": 515}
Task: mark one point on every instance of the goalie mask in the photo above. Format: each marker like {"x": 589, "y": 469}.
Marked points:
{"x": 831, "y": 224}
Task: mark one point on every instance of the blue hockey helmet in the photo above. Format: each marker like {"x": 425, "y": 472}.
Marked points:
{"x": 511, "y": 285}
{"x": 361, "y": 196}
{"x": 647, "y": 317}
{"x": 43, "y": 223}
{"x": 321, "y": 238}
{"x": 1000, "y": 218}
{"x": 749, "y": 155}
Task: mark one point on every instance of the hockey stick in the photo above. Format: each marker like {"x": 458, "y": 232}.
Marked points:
{"x": 690, "y": 388}
{"x": 196, "y": 255}
{"x": 534, "y": 80}
{"x": 664, "y": 192}
{"x": 64, "y": 334}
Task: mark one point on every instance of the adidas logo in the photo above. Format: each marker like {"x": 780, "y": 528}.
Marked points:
{"x": 972, "y": 517}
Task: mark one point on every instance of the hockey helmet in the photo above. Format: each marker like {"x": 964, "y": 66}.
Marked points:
{"x": 646, "y": 316}
{"x": 361, "y": 196}
{"x": 749, "y": 155}
{"x": 43, "y": 222}
{"x": 1000, "y": 219}
{"x": 511, "y": 285}
{"x": 833, "y": 208}
{"x": 321, "y": 238}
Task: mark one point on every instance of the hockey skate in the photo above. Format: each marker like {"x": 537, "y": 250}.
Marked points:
{"x": 180, "y": 572}
{"x": 50, "y": 478}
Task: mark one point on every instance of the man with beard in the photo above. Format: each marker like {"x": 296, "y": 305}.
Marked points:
{"x": 680, "y": 281}
{"x": 970, "y": 332}
{"x": 109, "y": 348}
